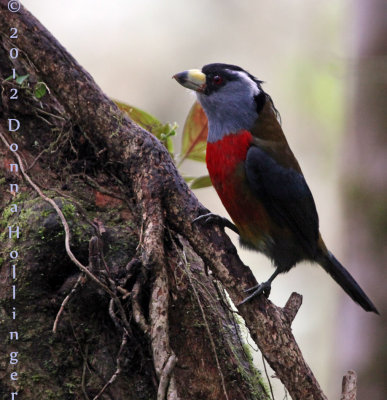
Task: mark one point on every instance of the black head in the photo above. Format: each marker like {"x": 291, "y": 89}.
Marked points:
{"x": 218, "y": 74}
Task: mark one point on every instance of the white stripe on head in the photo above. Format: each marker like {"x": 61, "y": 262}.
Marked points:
{"x": 253, "y": 85}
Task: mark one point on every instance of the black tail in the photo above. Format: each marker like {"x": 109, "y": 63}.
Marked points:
{"x": 345, "y": 280}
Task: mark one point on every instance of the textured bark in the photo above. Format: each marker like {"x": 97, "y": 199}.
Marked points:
{"x": 173, "y": 252}
{"x": 349, "y": 386}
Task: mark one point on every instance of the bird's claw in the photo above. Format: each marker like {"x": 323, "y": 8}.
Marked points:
{"x": 217, "y": 219}
{"x": 263, "y": 288}
{"x": 206, "y": 218}
{"x": 209, "y": 218}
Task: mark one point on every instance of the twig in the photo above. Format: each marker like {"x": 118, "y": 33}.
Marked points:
{"x": 65, "y": 301}
{"x": 49, "y": 148}
{"x": 50, "y": 114}
{"x": 36, "y": 159}
{"x": 124, "y": 292}
{"x": 118, "y": 368}
{"x": 222, "y": 297}
{"x": 91, "y": 182}
{"x": 84, "y": 373}
{"x": 267, "y": 376}
{"x": 113, "y": 315}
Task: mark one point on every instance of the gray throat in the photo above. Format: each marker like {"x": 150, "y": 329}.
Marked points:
{"x": 228, "y": 117}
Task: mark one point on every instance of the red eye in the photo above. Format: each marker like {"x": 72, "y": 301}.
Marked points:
{"x": 217, "y": 80}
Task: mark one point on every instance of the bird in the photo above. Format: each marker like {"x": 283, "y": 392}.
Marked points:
{"x": 258, "y": 178}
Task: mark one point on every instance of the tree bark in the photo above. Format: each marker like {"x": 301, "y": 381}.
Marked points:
{"x": 349, "y": 386}
{"x": 169, "y": 331}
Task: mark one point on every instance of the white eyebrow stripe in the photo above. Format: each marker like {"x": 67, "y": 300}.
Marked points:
{"x": 248, "y": 80}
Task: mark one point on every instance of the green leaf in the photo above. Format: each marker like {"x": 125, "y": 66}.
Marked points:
{"x": 40, "y": 90}
{"x": 142, "y": 118}
{"x": 163, "y": 132}
{"x": 195, "y": 131}
{"x": 21, "y": 78}
{"x": 189, "y": 178}
{"x": 201, "y": 182}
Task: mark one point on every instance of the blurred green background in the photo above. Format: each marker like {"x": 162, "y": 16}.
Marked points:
{"x": 307, "y": 52}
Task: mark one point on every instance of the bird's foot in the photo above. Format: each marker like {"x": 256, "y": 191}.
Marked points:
{"x": 262, "y": 288}
{"x": 211, "y": 218}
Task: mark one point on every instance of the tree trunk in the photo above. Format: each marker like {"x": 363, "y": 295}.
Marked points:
{"x": 365, "y": 184}
{"x": 108, "y": 258}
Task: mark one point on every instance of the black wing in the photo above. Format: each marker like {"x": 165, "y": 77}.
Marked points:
{"x": 285, "y": 195}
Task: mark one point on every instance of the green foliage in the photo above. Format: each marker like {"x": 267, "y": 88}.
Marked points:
{"x": 21, "y": 78}
{"x": 201, "y": 182}
{"x": 194, "y": 136}
{"x": 163, "y": 132}
{"x": 40, "y": 90}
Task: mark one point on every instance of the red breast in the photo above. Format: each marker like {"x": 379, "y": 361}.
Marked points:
{"x": 225, "y": 163}
{"x": 223, "y": 156}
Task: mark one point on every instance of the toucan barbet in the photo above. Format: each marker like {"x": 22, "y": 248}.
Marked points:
{"x": 257, "y": 177}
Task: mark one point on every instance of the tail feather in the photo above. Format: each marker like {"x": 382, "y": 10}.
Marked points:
{"x": 329, "y": 262}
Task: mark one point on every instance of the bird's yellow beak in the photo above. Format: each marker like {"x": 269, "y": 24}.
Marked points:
{"x": 192, "y": 79}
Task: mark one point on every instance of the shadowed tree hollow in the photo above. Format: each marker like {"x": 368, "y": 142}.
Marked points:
{"x": 118, "y": 294}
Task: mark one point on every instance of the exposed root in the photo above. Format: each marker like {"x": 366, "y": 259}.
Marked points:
{"x": 165, "y": 377}
{"x": 188, "y": 272}
{"x": 153, "y": 259}
{"x": 137, "y": 311}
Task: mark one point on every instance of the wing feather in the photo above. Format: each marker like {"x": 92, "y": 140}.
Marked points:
{"x": 285, "y": 194}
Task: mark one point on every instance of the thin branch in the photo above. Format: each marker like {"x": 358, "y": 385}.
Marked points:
{"x": 83, "y": 380}
{"x": 118, "y": 367}
{"x": 113, "y": 315}
{"x": 65, "y": 301}
{"x": 267, "y": 377}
